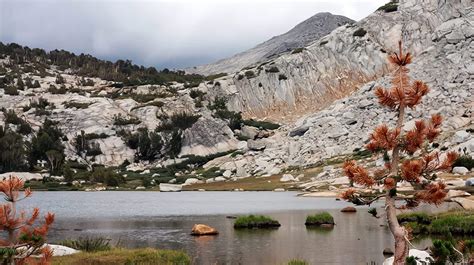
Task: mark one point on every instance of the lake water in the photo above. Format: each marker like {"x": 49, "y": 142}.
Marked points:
{"x": 164, "y": 220}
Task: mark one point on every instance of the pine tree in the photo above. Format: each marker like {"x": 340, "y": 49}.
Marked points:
{"x": 23, "y": 237}
{"x": 417, "y": 167}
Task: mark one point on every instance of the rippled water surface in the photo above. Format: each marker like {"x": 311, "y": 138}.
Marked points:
{"x": 164, "y": 220}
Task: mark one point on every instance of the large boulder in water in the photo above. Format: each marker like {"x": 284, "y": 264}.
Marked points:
{"x": 203, "y": 230}
{"x": 349, "y": 209}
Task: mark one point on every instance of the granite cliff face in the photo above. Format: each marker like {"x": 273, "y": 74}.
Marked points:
{"x": 292, "y": 85}
{"x": 440, "y": 34}
{"x": 300, "y": 36}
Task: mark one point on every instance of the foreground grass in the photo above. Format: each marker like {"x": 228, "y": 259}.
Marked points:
{"x": 446, "y": 224}
{"x": 319, "y": 219}
{"x": 255, "y": 221}
{"x": 126, "y": 256}
{"x": 297, "y": 262}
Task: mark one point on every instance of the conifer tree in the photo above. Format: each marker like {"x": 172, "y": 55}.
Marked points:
{"x": 22, "y": 237}
{"x": 408, "y": 155}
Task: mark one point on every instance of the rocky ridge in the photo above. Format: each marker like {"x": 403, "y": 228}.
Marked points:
{"x": 99, "y": 109}
{"x": 300, "y": 36}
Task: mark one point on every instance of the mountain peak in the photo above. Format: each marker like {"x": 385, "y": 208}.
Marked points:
{"x": 299, "y": 36}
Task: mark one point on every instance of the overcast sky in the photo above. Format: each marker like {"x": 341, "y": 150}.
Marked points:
{"x": 161, "y": 33}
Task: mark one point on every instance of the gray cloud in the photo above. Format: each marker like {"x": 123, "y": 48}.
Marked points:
{"x": 160, "y": 33}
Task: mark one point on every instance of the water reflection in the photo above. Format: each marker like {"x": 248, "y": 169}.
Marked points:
{"x": 356, "y": 238}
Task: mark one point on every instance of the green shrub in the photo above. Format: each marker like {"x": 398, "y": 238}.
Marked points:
{"x": 120, "y": 121}
{"x": 373, "y": 212}
{"x": 59, "y": 79}
{"x": 458, "y": 224}
{"x": 319, "y": 219}
{"x": 446, "y": 224}
{"x": 148, "y": 145}
{"x": 464, "y": 161}
{"x": 182, "y": 120}
{"x": 421, "y": 218}
{"x": 77, "y": 105}
{"x": 198, "y": 161}
{"x": 282, "y": 77}
{"x": 92, "y": 136}
{"x": 255, "y": 221}
{"x": 211, "y": 173}
{"x": 442, "y": 251}
{"x": 11, "y": 90}
{"x": 86, "y": 82}
{"x": 56, "y": 91}
{"x": 411, "y": 261}
{"x": 42, "y": 103}
{"x": 215, "y": 76}
{"x": 88, "y": 244}
{"x": 175, "y": 143}
{"x": 359, "y": 32}
{"x": 389, "y": 7}
{"x": 241, "y": 137}
{"x": 249, "y": 74}
{"x": 192, "y": 84}
{"x": 360, "y": 154}
{"x": 219, "y": 105}
{"x": 266, "y": 125}
{"x": 25, "y": 128}
{"x": 272, "y": 69}
{"x": 107, "y": 176}
{"x": 297, "y": 50}
{"x": 143, "y": 98}
{"x": 11, "y": 118}
{"x": 19, "y": 83}
{"x": 195, "y": 93}
{"x": 240, "y": 77}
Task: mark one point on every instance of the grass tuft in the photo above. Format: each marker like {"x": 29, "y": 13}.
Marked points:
{"x": 255, "y": 221}
{"x": 446, "y": 224}
{"x": 319, "y": 219}
{"x": 88, "y": 244}
{"x": 297, "y": 262}
{"x": 126, "y": 256}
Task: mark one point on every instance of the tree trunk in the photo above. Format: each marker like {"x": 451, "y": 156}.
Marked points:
{"x": 399, "y": 233}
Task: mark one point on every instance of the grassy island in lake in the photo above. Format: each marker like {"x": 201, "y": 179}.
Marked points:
{"x": 256, "y": 221}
